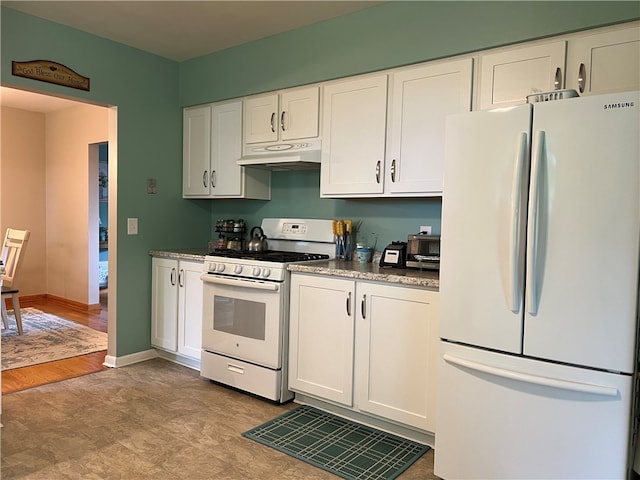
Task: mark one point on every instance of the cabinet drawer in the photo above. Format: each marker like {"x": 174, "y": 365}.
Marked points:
{"x": 244, "y": 376}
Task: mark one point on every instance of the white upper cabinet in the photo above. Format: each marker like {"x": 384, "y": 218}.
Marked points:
{"x": 419, "y": 101}
{"x": 228, "y": 180}
{"x": 353, "y": 131}
{"x": 299, "y": 113}
{"x": 212, "y": 145}
{"x": 196, "y": 151}
{"x": 599, "y": 61}
{"x": 508, "y": 76}
{"x": 606, "y": 62}
{"x": 286, "y": 116}
{"x": 383, "y": 135}
{"x": 226, "y": 148}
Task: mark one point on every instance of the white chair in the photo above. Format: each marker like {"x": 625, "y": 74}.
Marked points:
{"x": 15, "y": 242}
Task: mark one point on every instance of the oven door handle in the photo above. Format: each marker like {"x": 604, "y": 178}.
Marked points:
{"x": 271, "y": 286}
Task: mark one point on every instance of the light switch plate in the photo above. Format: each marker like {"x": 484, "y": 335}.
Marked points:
{"x": 132, "y": 226}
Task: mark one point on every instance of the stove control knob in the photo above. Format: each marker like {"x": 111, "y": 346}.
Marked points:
{"x": 256, "y": 272}
{"x": 266, "y": 272}
{"x": 211, "y": 267}
{"x": 237, "y": 269}
{"x": 220, "y": 267}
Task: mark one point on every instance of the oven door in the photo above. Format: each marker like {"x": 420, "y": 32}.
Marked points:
{"x": 243, "y": 319}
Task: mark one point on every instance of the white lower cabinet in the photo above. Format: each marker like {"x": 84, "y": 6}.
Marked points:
{"x": 321, "y": 337}
{"x": 176, "y": 306}
{"x": 368, "y": 346}
{"x": 397, "y": 353}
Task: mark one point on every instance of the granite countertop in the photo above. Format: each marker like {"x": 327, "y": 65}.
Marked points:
{"x": 370, "y": 271}
{"x": 196, "y": 254}
{"x": 359, "y": 271}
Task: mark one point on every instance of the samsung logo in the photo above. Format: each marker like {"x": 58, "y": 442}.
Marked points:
{"x": 609, "y": 106}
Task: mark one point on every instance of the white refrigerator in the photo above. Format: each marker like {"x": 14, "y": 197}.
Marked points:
{"x": 539, "y": 291}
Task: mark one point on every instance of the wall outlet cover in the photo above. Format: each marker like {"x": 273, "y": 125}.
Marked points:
{"x": 425, "y": 229}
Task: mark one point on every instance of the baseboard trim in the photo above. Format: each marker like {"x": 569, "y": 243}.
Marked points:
{"x": 72, "y": 303}
{"x": 116, "y": 362}
{"x": 179, "y": 359}
{"x": 27, "y": 300}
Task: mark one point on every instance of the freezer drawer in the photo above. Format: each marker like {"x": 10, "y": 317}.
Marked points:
{"x": 505, "y": 417}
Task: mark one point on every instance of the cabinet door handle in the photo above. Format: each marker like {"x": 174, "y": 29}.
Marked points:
{"x": 582, "y": 77}
{"x": 173, "y": 276}
{"x": 213, "y": 178}
{"x": 204, "y": 179}
{"x": 378, "y": 171}
{"x": 393, "y": 170}
{"x": 273, "y": 125}
{"x": 282, "y": 121}
{"x": 362, "y": 306}
{"x": 557, "y": 82}
{"x": 349, "y": 304}
{"x": 181, "y": 278}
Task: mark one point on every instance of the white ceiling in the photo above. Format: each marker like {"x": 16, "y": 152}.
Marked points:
{"x": 177, "y": 30}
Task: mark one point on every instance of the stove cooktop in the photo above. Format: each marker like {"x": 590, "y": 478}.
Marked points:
{"x": 269, "y": 255}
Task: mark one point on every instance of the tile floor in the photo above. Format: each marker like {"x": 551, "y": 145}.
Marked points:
{"x": 153, "y": 420}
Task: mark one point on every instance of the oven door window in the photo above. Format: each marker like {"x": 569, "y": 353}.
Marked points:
{"x": 244, "y": 323}
{"x": 241, "y": 317}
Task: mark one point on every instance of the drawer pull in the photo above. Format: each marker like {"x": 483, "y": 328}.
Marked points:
{"x": 235, "y": 369}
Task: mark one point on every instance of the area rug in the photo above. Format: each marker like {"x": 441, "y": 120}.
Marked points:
{"x": 342, "y": 447}
{"x": 46, "y": 338}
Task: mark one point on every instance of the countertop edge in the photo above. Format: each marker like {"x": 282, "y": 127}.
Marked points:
{"x": 367, "y": 271}
{"x": 196, "y": 254}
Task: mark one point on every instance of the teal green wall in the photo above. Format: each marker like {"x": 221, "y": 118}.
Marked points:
{"x": 149, "y": 92}
{"x": 296, "y": 194}
{"x": 145, "y": 89}
{"x": 393, "y": 34}
{"x": 389, "y": 35}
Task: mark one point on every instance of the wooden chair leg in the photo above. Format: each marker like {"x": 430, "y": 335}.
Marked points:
{"x": 16, "y": 312}
{"x": 5, "y": 316}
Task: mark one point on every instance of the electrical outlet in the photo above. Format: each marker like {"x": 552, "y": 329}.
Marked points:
{"x": 425, "y": 229}
{"x": 132, "y": 226}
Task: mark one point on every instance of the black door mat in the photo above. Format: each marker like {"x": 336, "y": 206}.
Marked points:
{"x": 342, "y": 447}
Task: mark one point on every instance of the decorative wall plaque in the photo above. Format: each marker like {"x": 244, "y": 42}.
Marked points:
{"x": 51, "y": 72}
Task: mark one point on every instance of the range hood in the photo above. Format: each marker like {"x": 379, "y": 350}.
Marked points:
{"x": 282, "y": 156}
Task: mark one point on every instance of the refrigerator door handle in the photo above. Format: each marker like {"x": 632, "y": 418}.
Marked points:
{"x": 514, "y": 227}
{"x": 533, "y": 379}
{"x": 532, "y": 230}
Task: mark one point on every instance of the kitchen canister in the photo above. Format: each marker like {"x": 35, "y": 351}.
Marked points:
{"x": 363, "y": 254}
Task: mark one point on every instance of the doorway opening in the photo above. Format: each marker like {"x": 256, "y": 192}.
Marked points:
{"x": 46, "y": 217}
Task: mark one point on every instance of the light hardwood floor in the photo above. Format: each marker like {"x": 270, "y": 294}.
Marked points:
{"x": 33, "y": 376}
